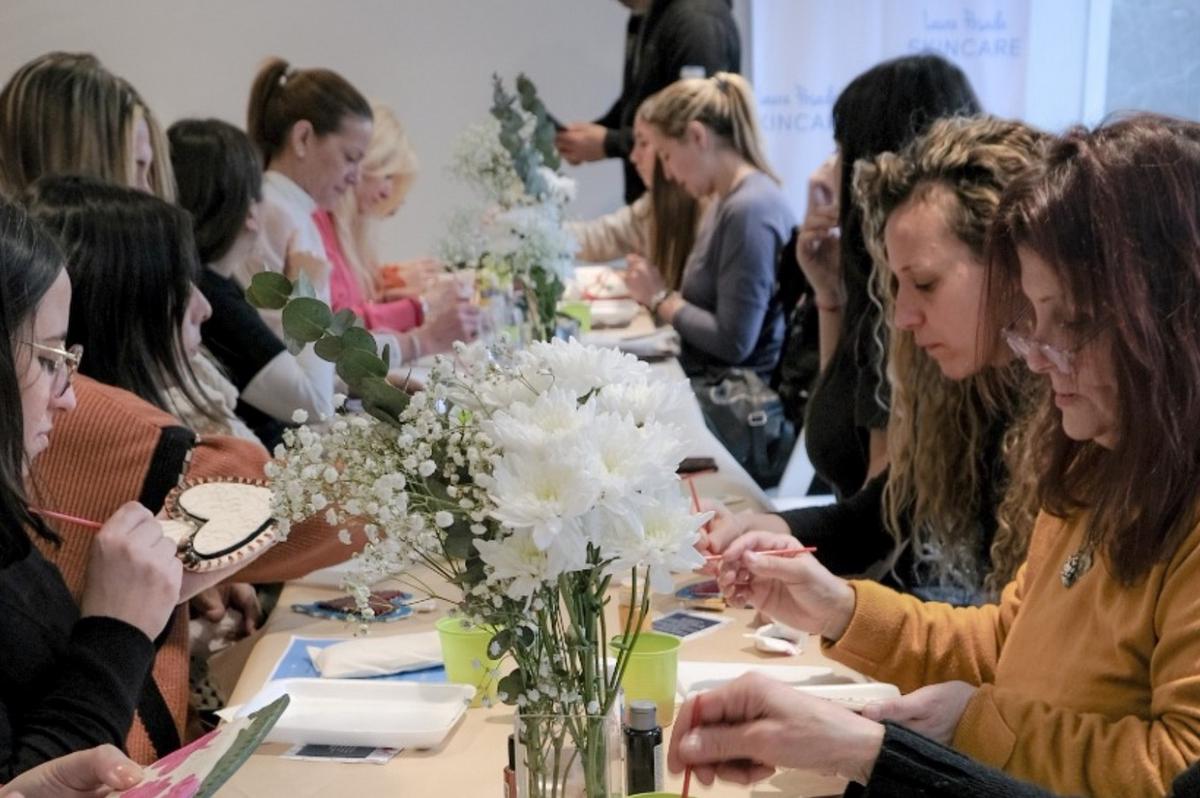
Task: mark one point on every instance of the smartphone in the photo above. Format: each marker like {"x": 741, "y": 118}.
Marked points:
{"x": 696, "y": 465}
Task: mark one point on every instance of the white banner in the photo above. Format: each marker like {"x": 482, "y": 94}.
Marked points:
{"x": 806, "y": 51}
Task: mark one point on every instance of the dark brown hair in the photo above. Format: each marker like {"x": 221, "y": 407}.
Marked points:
{"x": 1115, "y": 213}
{"x": 281, "y": 96}
{"x": 219, "y": 176}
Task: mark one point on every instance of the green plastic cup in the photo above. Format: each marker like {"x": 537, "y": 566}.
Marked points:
{"x": 578, "y": 310}
{"x": 652, "y": 671}
{"x": 464, "y": 651}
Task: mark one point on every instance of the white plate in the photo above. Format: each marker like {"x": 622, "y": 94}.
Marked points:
{"x": 613, "y": 312}
{"x": 379, "y": 714}
{"x": 695, "y": 677}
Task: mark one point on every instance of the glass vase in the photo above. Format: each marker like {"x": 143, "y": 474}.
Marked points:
{"x": 570, "y": 755}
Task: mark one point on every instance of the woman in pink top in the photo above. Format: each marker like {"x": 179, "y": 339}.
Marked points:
{"x": 399, "y": 298}
{"x": 345, "y": 291}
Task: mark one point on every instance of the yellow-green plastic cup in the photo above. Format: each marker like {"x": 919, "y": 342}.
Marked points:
{"x": 464, "y": 652}
{"x": 578, "y": 310}
{"x": 652, "y": 671}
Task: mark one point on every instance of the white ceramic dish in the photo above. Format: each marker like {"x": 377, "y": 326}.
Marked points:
{"x": 613, "y": 312}
{"x": 696, "y": 677}
{"x": 381, "y": 714}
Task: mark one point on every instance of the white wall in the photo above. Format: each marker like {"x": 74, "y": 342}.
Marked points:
{"x": 431, "y": 60}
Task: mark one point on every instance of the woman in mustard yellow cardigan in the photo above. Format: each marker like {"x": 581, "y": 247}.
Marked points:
{"x": 1085, "y": 677}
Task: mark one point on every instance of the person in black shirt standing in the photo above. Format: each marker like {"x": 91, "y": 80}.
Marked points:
{"x": 665, "y": 40}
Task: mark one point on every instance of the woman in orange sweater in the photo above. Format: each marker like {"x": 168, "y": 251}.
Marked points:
{"x": 1085, "y": 677}
{"x": 134, "y": 310}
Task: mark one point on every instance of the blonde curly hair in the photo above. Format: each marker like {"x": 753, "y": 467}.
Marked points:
{"x": 940, "y": 430}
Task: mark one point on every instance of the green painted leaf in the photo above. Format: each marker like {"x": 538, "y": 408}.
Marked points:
{"x": 269, "y": 291}
{"x": 306, "y": 319}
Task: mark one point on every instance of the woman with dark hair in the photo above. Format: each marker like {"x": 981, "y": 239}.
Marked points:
{"x": 113, "y": 236}
{"x": 219, "y": 180}
{"x": 1084, "y": 677}
{"x": 880, "y": 111}
{"x": 72, "y": 675}
{"x": 132, "y": 250}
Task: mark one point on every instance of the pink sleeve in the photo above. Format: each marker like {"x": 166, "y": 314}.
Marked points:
{"x": 399, "y": 315}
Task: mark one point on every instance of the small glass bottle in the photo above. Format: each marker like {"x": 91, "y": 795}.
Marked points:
{"x": 510, "y": 770}
{"x": 643, "y": 749}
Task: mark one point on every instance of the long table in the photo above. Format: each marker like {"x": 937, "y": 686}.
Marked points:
{"x": 470, "y": 761}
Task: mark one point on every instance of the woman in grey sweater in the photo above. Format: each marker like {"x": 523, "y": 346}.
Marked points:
{"x": 727, "y": 310}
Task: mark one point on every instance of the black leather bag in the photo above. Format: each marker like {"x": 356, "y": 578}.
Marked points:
{"x": 747, "y": 416}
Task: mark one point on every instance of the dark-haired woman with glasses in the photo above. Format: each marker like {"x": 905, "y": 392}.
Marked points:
{"x": 1085, "y": 677}
{"x": 126, "y": 249}
{"x": 72, "y": 674}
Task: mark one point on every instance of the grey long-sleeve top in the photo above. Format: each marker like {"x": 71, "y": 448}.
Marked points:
{"x": 732, "y": 315}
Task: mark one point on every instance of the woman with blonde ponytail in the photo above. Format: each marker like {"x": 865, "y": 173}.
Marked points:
{"x": 727, "y": 310}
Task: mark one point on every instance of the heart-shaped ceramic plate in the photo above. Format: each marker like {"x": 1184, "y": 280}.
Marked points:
{"x": 231, "y": 518}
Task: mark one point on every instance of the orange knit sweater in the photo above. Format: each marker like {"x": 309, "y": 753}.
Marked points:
{"x": 99, "y": 458}
{"x": 1087, "y": 690}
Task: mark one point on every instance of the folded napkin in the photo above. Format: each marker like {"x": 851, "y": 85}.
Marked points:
{"x": 377, "y": 656}
{"x": 663, "y": 342}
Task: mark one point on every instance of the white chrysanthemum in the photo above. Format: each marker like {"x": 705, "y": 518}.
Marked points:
{"x": 518, "y": 558}
{"x": 544, "y": 491}
{"x": 551, "y": 418}
{"x": 660, "y": 536}
{"x": 582, "y": 369}
{"x": 645, "y": 399}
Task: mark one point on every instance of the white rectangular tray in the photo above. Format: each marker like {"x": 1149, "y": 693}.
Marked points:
{"x": 380, "y": 714}
{"x": 696, "y": 677}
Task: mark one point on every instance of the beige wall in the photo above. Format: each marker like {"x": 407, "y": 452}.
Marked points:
{"x": 430, "y": 59}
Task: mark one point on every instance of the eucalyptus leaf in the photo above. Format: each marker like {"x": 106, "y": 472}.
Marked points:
{"x": 380, "y": 393}
{"x": 360, "y": 339}
{"x": 343, "y": 320}
{"x": 355, "y": 366}
{"x": 269, "y": 290}
{"x": 500, "y": 643}
{"x": 460, "y": 541}
{"x": 511, "y": 686}
{"x": 329, "y": 348}
{"x": 306, "y": 319}
{"x": 304, "y": 287}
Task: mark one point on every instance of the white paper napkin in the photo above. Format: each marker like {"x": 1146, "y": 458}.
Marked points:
{"x": 377, "y": 656}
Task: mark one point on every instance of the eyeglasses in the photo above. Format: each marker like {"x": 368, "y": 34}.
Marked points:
{"x": 1019, "y": 337}
{"x": 60, "y": 364}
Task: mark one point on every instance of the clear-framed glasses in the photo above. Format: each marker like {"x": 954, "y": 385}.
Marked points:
{"x": 60, "y": 364}
{"x": 1019, "y": 337}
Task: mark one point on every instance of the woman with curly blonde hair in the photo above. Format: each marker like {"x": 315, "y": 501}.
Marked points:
{"x": 951, "y": 517}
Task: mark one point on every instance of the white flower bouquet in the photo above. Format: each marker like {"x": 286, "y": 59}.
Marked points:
{"x": 529, "y": 479}
{"x": 516, "y": 237}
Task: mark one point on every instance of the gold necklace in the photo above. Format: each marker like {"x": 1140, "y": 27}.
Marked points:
{"x": 1077, "y": 564}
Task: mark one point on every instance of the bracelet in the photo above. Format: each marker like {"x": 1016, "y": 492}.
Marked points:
{"x": 657, "y": 300}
